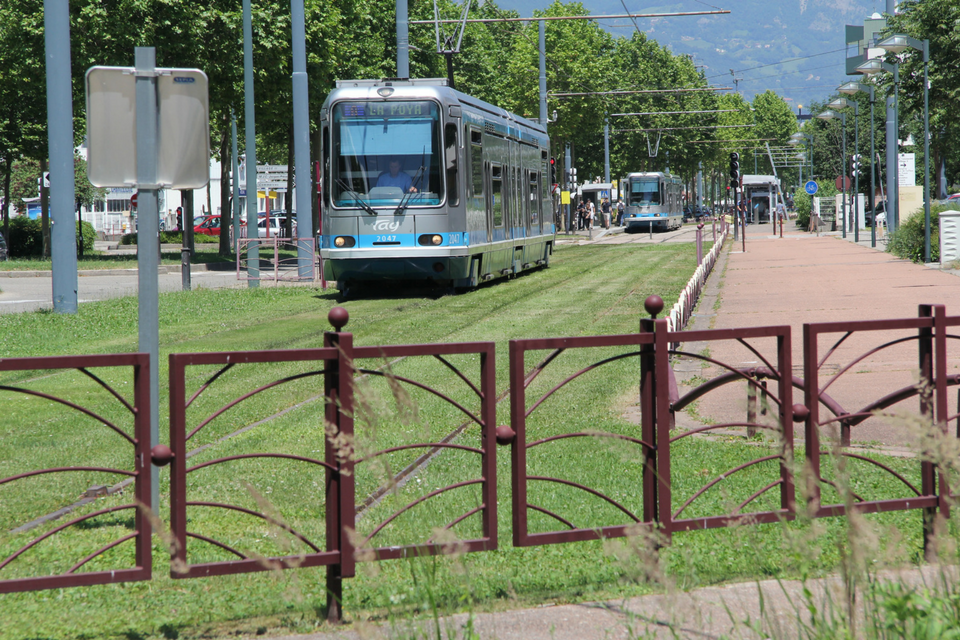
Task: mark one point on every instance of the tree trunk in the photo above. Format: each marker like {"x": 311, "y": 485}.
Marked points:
{"x": 44, "y": 210}
{"x": 186, "y": 201}
{"x": 8, "y": 170}
{"x": 226, "y": 211}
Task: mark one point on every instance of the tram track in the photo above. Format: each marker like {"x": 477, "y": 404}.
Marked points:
{"x": 580, "y": 272}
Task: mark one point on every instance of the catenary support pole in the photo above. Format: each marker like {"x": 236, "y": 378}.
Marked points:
{"x": 544, "y": 118}
{"x": 148, "y": 235}
{"x": 891, "y": 131}
{"x": 250, "y": 144}
{"x": 63, "y": 239}
{"x": 403, "y": 40}
{"x": 301, "y": 143}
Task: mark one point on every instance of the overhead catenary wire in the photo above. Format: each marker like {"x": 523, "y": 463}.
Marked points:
{"x": 715, "y": 126}
{"x": 569, "y": 94}
{"x": 673, "y": 113}
{"x": 672, "y": 14}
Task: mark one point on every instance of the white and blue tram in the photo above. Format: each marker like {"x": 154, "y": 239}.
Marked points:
{"x": 652, "y": 199}
{"x": 422, "y": 182}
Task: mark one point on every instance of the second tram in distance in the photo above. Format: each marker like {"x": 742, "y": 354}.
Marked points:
{"x": 652, "y": 199}
{"x": 423, "y": 182}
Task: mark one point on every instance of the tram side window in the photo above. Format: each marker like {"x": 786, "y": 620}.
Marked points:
{"x": 644, "y": 192}
{"x": 476, "y": 162}
{"x": 450, "y": 162}
{"x": 496, "y": 195}
{"x": 534, "y": 183}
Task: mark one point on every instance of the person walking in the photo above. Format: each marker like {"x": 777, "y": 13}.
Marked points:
{"x": 591, "y": 213}
{"x": 605, "y": 210}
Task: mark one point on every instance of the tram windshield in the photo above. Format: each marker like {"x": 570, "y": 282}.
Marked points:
{"x": 644, "y": 191}
{"x": 386, "y": 153}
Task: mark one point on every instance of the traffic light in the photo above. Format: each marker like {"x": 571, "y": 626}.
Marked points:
{"x": 553, "y": 170}
{"x": 734, "y": 170}
{"x": 573, "y": 177}
{"x": 855, "y": 163}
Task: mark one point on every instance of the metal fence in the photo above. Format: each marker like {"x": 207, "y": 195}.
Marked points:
{"x": 349, "y": 506}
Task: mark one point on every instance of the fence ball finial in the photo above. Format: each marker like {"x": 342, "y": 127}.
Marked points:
{"x": 338, "y": 317}
{"x": 653, "y": 305}
{"x": 800, "y": 412}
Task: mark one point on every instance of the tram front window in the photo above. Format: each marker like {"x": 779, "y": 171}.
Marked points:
{"x": 644, "y": 192}
{"x": 385, "y": 153}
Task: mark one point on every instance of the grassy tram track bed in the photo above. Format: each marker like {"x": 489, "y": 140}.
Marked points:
{"x": 587, "y": 291}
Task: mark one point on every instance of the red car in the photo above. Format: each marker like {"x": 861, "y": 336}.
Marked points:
{"x": 209, "y": 227}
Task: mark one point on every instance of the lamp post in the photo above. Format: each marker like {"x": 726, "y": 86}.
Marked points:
{"x": 841, "y": 103}
{"x": 830, "y": 115}
{"x": 850, "y": 88}
{"x": 869, "y": 68}
{"x": 897, "y": 44}
{"x": 795, "y": 139}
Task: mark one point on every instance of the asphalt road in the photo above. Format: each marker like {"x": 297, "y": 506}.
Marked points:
{"x": 35, "y": 291}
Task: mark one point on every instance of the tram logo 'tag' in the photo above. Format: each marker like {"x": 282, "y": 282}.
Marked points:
{"x": 461, "y": 186}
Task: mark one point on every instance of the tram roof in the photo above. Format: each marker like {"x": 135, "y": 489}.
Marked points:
{"x": 419, "y": 88}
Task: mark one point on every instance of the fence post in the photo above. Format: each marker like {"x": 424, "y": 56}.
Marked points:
{"x": 932, "y": 352}
{"x": 648, "y": 424}
{"x": 751, "y": 407}
{"x": 338, "y": 436}
{"x": 699, "y": 244}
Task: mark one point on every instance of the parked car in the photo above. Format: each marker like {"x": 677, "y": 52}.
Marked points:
{"x": 278, "y": 225}
{"x": 209, "y": 227}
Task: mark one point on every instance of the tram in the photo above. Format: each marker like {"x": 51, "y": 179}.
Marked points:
{"x": 421, "y": 182}
{"x": 652, "y": 199}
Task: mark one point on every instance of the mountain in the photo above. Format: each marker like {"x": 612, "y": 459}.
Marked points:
{"x": 751, "y": 40}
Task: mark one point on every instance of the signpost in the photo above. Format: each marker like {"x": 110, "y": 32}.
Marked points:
{"x": 165, "y": 113}
{"x": 811, "y": 187}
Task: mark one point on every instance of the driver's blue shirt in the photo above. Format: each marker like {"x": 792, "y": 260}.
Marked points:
{"x": 401, "y": 180}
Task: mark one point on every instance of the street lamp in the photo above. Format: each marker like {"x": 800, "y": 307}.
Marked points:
{"x": 840, "y": 103}
{"x": 829, "y": 114}
{"x": 851, "y": 88}
{"x": 795, "y": 139}
{"x": 899, "y": 43}
{"x": 869, "y": 68}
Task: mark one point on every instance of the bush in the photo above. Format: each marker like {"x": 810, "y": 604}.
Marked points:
{"x": 26, "y": 238}
{"x": 173, "y": 237}
{"x": 802, "y": 202}
{"x": 907, "y": 241}
{"x": 86, "y": 234}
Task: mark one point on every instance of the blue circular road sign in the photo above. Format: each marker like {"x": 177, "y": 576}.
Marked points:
{"x": 811, "y": 187}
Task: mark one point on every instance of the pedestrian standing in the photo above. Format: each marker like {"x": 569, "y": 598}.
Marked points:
{"x": 591, "y": 213}
{"x": 605, "y": 210}
{"x": 620, "y": 208}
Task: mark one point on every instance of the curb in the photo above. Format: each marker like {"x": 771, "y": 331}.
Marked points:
{"x": 213, "y": 266}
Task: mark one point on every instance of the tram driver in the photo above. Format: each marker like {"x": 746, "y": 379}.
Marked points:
{"x": 396, "y": 178}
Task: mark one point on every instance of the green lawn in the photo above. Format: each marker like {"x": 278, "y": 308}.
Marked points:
{"x": 587, "y": 291}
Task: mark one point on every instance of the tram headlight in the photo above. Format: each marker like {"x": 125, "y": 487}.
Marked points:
{"x": 430, "y": 239}
{"x": 344, "y": 242}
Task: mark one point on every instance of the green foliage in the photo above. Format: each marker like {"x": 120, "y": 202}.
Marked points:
{"x": 26, "y": 240}
{"x": 172, "y": 237}
{"x": 908, "y": 240}
{"x": 803, "y": 204}
{"x": 25, "y": 237}
{"x": 86, "y": 235}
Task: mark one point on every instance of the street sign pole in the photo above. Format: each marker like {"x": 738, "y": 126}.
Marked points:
{"x": 148, "y": 234}
{"x": 63, "y": 250}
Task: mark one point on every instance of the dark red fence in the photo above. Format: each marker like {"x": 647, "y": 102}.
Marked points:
{"x": 108, "y": 418}
{"x": 357, "y": 495}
